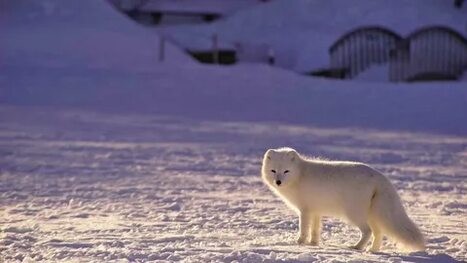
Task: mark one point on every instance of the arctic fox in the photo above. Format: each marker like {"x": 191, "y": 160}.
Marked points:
{"x": 349, "y": 190}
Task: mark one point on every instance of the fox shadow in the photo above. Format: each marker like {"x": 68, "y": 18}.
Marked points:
{"x": 423, "y": 257}
{"x": 439, "y": 258}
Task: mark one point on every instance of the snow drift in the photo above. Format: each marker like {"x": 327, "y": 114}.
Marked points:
{"x": 85, "y": 33}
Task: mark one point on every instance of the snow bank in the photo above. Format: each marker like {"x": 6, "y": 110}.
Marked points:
{"x": 85, "y": 33}
{"x": 246, "y": 92}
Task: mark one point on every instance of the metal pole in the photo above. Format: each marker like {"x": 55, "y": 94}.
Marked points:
{"x": 161, "y": 49}
{"x": 215, "y": 48}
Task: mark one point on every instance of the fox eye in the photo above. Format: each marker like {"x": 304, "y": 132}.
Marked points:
{"x": 274, "y": 171}
{"x": 286, "y": 171}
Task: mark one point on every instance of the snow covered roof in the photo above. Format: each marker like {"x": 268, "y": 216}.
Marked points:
{"x": 189, "y": 6}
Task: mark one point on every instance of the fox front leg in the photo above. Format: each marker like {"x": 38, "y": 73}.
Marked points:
{"x": 316, "y": 230}
{"x": 304, "y": 228}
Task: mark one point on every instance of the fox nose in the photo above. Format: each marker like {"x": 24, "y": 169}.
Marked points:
{"x": 278, "y": 182}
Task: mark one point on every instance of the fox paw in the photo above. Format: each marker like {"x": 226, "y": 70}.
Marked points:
{"x": 313, "y": 243}
{"x": 355, "y": 247}
{"x": 301, "y": 241}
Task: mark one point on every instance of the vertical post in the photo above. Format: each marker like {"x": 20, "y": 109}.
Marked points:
{"x": 345, "y": 59}
{"x": 215, "y": 48}
{"x": 161, "y": 48}
{"x": 239, "y": 54}
{"x": 353, "y": 56}
{"x": 407, "y": 64}
{"x": 271, "y": 56}
{"x": 391, "y": 60}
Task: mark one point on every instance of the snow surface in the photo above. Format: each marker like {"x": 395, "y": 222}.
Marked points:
{"x": 108, "y": 155}
{"x": 88, "y": 186}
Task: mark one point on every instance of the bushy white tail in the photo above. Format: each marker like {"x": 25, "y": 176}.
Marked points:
{"x": 389, "y": 214}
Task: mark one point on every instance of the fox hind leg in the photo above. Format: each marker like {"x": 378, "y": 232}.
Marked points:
{"x": 365, "y": 236}
{"x": 377, "y": 237}
{"x": 359, "y": 217}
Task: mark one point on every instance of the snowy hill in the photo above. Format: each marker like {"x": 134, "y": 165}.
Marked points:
{"x": 85, "y": 33}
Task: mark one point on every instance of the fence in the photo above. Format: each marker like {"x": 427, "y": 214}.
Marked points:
{"x": 355, "y": 51}
{"x": 434, "y": 52}
{"x": 429, "y": 53}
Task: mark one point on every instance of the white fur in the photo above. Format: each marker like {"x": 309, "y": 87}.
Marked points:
{"x": 348, "y": 190}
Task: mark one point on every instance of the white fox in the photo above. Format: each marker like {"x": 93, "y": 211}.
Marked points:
{"x": 349, "y": 190}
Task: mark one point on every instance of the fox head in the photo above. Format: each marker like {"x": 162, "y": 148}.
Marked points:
{"x": 280, "y": 167}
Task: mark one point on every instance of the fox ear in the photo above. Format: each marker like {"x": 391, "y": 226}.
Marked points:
{"x": 267, "y": 155}
{"x": 293, "y": 155}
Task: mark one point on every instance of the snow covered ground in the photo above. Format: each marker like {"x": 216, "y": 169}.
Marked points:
{"x": 108, "y": 154}
{"x": 80, "y": 185}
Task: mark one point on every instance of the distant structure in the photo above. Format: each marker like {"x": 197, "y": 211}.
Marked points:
{"x": 358, "y": 49}
{"x": 458, "y": 3}
{"x": 215, "y": 55}
{"x": 151, "y": 12}
{"x": 429, "y": 53}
